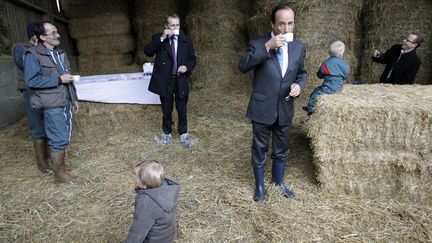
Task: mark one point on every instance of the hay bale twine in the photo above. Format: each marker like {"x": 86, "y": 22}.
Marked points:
{"x": 317, "y": 24}
{"x": 104, "y": 24}
{"x": 150, "y": 19}
{"x": 374, "y": 140}
{"x": 112, "y": 44}
{"x": 387, "y": 23}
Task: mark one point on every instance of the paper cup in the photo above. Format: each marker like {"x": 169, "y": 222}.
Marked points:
{"x": 76, "y": 77}
{"x": 176, "y": 32}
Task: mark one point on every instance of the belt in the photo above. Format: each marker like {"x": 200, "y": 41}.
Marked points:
{"x": 173, "y": 76}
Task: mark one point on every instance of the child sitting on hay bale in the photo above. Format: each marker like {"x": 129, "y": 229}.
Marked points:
{"x": 334, "y": 71}
{"x": 156, "y": 199}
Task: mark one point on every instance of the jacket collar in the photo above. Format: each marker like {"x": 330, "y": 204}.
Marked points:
{"x": 42, "y": 50}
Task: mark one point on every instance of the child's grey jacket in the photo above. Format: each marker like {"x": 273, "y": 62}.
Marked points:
{"x": 154, "y": 217}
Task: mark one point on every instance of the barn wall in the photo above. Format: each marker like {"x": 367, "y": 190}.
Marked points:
{"x": 15, "y": 15}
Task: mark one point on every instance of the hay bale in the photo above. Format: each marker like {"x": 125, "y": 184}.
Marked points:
{"x": 198, "y": 6}
{"x": 102, "y": 69}
{"x": 104, "y": 24}
{"x": 97, "y": 120}
{"x": 112, "y": 44}
{"x": 218, "y": 69}
{"x": 86, "y": 8}
{"x": 387, "y": 23}
{"x": 150, "y": 19}
{"x": 225, "y": 32}
{"x": 217, "y": 35}
{"x": 266, "y": 6}
{"x": 257, "y": 25}
{"x": 374, "y": 140}
{"x": 105, "y": 64}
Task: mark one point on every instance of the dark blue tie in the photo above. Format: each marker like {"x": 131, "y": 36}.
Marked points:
{"x": 174, "y": 67}
{"x": 280, "y": 57}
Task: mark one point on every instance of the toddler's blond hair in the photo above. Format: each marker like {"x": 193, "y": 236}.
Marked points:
{"x": 149, "y": 174}
{"x": 337, "y": 48}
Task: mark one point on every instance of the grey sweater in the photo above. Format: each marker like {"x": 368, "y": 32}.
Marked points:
{"x": 154, "y": 217}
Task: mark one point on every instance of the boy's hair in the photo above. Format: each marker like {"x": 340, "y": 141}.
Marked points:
{"x": 337, "y": 48}
{"x": 149, "y": 174}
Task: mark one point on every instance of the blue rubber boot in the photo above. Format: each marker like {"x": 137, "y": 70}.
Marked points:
{"x": 259, "y": 184}
{"x": 278, "y": 172}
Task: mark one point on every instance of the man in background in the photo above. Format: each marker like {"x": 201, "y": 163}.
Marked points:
{"x": 174, "y": 62}
{"x": 278, "y": 63}
{"x": 402, "y": 61}
{"x": 38, "y": 135}
{"x": 52, "y": 92}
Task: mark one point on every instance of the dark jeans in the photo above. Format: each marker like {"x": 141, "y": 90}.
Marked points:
{"x": 167, "y": 104}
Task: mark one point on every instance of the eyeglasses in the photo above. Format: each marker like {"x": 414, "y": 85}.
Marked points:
{"x": 284, "y": 25}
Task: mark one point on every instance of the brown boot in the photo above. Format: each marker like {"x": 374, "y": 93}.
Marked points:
{"x": 42, "y": 158}
{"x": 59, "y": 167}
{"x": 48, "y": 154}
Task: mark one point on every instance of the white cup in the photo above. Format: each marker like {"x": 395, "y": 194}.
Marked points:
{"x": 176, "y": 32}
{"x": 288, "y": 37}
{"x": 76, "y": 77}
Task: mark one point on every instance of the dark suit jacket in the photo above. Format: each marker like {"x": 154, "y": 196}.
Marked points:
{"x": 164, "y": 61}
{"x": 267, "y": 102}
{"x": 404, "y": 71}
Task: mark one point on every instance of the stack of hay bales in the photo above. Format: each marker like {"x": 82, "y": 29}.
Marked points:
{"x": 375, "y": 141}
{"x": 215, "y": 28}
{"x": 317, "y": 24}
{"x": 150, "y": 19}
{"x": 103, "y": 33}
{"x": 389, "y": 22}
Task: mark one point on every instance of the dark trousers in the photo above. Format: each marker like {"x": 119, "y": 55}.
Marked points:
{"x": 261, "y": 139}
{"x": 167, "y": 104}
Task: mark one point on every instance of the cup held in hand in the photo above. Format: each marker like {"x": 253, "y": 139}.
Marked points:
{"x": 76, "y": 77}
{"x": 288, "y": 37}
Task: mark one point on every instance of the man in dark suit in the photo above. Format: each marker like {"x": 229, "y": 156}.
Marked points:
{"x": 279, "y": 75}
{"x": 175, "y": 60}
{"x": 402, "y": 61}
